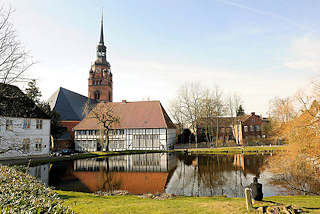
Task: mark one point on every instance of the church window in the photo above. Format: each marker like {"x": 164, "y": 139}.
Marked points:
{"x": 97, "y": 95}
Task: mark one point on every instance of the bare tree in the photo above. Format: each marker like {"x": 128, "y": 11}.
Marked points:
{"x": 186, "y": 108}
{"x": 213, "y": 107}
{"x": 207, "y": 113}
{"x": 234, "y": 101}
{"x": 282, "y": 109}
{"x": 219, "y": 108}
{"x": 14, "y": 59}
{"x": 105, "y": 116}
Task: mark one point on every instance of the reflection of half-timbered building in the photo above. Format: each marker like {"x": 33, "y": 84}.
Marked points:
{"x": 138, "y": 174}
{"x": 143, "y": 125}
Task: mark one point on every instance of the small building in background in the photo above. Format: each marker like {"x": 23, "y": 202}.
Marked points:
{"x": 240, "y": 130}
{"x": 143, "y": 125}
{"x": 24, "y": 127}
{"x": 250, "y": 128}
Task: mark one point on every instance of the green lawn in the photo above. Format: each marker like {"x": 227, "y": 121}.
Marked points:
{"x": 237, "y": 150}
{"x": 89, "y": 203}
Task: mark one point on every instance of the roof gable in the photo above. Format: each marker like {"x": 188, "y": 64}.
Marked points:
{"x": 68, "y": 104}
{"x": 144, "y": 114}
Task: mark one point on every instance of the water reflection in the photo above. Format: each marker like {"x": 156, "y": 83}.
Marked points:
{"x": 179, "y": 174}
{"x": 214, "y": 175}
{"x": 136, "y": 173}
{"x": 41, "y": 172}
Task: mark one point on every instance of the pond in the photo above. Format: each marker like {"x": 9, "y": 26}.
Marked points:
{"x": 176, "y": 173}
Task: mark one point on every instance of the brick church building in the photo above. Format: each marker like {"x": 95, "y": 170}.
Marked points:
{"x": 70, "y": 106}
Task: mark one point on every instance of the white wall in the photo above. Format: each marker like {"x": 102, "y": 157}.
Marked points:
{"x": 151, "y": 139}
{"x": 11, "y": 141}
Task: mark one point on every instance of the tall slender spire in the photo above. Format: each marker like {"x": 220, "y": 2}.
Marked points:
{"x": 101, "y": 31}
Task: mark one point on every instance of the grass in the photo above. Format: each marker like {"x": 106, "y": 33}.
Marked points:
{"x": 89, "y": 203}
{"x": 237, "y": 150}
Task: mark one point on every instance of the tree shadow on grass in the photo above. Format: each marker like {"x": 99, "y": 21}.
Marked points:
{"x": 64, "y": 197}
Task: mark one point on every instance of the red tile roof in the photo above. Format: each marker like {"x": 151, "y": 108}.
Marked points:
{"x": 143, "y": 114}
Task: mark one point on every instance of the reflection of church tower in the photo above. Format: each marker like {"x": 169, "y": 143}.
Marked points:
{"x": 100, "y": 76}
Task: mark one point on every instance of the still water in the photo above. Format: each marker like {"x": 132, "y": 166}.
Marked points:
{"x": 179, "y": 174}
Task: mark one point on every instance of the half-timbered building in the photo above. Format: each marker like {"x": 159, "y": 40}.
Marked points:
{"x": 143, "y": 125}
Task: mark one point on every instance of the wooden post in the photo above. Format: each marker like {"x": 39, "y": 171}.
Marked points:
{"x": 247, "y": 193}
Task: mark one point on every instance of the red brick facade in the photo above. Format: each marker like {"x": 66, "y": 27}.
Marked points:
{"x": 100, "y": 83}
{"x": 69, "y": 125}
{"x": 251, "y": 127}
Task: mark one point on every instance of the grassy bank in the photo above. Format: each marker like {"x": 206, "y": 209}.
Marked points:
{"x": 237, "y": 150}
{"x": 89, "y": 203}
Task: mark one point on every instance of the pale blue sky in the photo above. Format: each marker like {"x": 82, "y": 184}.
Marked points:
{"x": 258, "y": 49}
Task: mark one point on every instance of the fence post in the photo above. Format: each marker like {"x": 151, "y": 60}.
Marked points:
{"x": 247, "y": 193}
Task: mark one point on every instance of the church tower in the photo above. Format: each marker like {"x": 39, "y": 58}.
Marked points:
{"x": 100, "y": 76}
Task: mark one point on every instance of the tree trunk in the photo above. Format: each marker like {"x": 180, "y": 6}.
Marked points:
{"x": 217, "y": 131}
{"x": 107, "y": 139}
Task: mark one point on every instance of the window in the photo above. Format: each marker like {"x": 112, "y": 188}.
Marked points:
{"x": 39, "y": 124}
{"x": 257, "y": 127}
{"x": 90, "y": 132}
{"x": 97, "y": 95}
{"x": 26, "y": 123}
{"x": 26, "y": 145}
{"x": 9, "y": 125}
{"x": 38, "y": 146}
{"x": 251, "y": 128}
{"x": 245, "y": 128}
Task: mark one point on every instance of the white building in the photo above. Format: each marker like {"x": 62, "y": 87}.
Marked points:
{"x": 24, "y": 127}
{"x": 24, "y": 137}
{"x": 142, "y": 125}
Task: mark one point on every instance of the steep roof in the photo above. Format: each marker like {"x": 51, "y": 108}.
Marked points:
{"x": 14, "y": 103}
{"x": 68, "y": 104}
{"x": 143, "y": 114}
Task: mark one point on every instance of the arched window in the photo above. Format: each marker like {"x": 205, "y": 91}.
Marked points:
{"x": 100, "y": 82}
{"x": 97, "y": 95}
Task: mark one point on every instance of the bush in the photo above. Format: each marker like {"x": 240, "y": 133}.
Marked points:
{"x": 22, "y": 193}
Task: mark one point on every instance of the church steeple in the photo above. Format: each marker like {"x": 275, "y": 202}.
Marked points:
{"x": 100, "y": 84}
{"x": 101, "y": 48}
{"x": 101, "y": 31}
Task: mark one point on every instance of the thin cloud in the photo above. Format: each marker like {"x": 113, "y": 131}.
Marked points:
{"x": 266, "y": 13}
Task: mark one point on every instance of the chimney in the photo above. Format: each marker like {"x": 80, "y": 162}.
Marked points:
{"x": 124, "y": 101}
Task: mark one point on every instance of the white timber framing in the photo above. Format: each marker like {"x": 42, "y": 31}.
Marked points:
{"x": 127, "y": 139}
